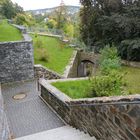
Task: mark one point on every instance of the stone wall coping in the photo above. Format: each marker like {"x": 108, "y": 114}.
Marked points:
{"x": 40, "y": 66}
{"x": 57, "y": 93}
{"x": 108, "y": 100}
{"x": 68, "y": 79}
{"x": 12, "y": 42}
{"x": 20, "y": 27}
{"x": 44, "y": 34}
{"x": 87, "y": 101}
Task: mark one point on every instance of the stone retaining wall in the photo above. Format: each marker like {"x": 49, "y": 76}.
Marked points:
{"x": 43, "y": 72}
{"x": 4, "y": 128}
{"x": 80, "y": 56}
{"x": 131, "y": 63}
{"x": 16, "y": 61}
{"x": 106, "y": 118}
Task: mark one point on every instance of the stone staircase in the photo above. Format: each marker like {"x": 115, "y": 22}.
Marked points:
{"x": 61, "y": 133}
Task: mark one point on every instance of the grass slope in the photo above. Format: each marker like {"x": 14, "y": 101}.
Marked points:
{"x": 9, "y": 33}
{"x": 58, "y": 56}
{"x": 81, "y": 88}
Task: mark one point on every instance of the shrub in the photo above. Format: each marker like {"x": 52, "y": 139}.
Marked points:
{"x": 109, "y": 60}
{"x": 110, "y": 81}
{"x": 107, "y": 85}
{"x": 38, "y": 43}
{"x": 44, "y": 56}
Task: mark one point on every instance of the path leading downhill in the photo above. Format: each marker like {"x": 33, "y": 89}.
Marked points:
{"x": 29, "y": 115}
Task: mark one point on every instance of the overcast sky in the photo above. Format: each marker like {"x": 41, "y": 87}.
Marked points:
{"x": 39, "y": 4}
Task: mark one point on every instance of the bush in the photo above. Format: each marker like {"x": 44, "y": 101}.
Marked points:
{"x": 38, "y": 43}
{"x": 107, "y": 85}
{"x": 110, "y": 82}
{"x": 109, "y": 60}
{"x": 44, "y": 56}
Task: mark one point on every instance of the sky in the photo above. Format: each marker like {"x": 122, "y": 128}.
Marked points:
{"x": 40, "y": 4}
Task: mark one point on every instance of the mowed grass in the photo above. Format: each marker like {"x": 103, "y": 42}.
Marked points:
{"x": 81, "y": 88}
{"x": 9, "y": 33}
{"x": 75, "y": 89}
{"x": 132, "y": 79}
{"x": 58, "y": 55}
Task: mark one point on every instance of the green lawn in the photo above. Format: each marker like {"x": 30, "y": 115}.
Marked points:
{"x": 74, "y": 89}
{"x": 9, "y": 33}
{"x": 132, "y": 79}
{"x": 58, "y": 56}
{"x": 81, "y": 88}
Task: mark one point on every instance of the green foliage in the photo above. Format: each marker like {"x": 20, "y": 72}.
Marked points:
{"x": 111, "y": 83}
{"x": 107, "y": 21}
{"x": 107, "y": 85}
{"x": 24, "y": 19}
{"x": 44, "y": 56}
{"x": 51, "y": 23}
{"x": 9, "y": 33}
{"x": 130, "y": 49}
{"x": 69, "y": 30}
{"x": 9, "y": 10}
{"x": 109, "y": 60}
{"x": 38, "y": 42}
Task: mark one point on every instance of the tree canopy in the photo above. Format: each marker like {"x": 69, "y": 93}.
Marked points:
{"x": 112, "y": 21}
{"x": 9, "y": 10}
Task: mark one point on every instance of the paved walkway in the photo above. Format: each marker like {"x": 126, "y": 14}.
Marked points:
{"x": 30, "y": 115}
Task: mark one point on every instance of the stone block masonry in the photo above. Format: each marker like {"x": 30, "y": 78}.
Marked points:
{"x": 43, "y": 72}
{"x": 16, "y": 61}
{"x": 106, "y": 118}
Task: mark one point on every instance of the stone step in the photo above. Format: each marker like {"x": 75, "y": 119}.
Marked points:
{"x": 61, "y": 133}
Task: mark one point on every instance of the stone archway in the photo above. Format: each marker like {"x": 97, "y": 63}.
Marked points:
{"x": 85, "y": 68}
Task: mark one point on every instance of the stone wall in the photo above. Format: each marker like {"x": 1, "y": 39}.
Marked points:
{"x": 77, "y": 59}
{"x": 16, "y": 61}
{"x": 43, "y": 72}
{"x": 4, "y": 128}
{"x": 106, "y": 118}
{"x": 131, "y": 63}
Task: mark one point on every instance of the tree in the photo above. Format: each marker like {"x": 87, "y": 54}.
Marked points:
{"x": 10, "y": 10}
{"x": 51, "y": 23}
{"x": 24, "y": 19}
{"x": 110, "y": 21}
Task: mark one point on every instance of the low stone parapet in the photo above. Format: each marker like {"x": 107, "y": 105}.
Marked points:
{"x": 106, "y": 118}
